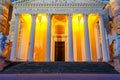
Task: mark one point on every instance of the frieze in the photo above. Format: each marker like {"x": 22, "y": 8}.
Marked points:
{"x": 59, "y": 1}
{"x": 59, "y": 10}
{"x": 60, "y": 5}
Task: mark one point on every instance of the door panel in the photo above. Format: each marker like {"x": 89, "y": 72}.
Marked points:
{"x": 59, "y": 51}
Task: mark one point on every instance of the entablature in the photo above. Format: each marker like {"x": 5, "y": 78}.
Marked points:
{"x": 58, "y": 10}
{"x": 59, "y": 6}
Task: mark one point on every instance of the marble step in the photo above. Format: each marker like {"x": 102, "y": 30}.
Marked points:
{"x": 60, "y": 67}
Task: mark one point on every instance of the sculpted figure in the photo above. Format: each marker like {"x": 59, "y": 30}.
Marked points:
{"x": 115, "y": 14}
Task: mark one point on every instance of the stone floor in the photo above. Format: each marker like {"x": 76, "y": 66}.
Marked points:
{"x": 59, "y": 77}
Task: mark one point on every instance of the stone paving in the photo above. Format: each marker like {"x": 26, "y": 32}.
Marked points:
{"x": 59, "y": 77}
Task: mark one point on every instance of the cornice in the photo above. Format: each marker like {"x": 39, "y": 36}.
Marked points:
{"x": 59, "y": 2}
{"x": 59, "y": 6}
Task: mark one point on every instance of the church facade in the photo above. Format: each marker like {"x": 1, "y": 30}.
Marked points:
{"x": 59, "y": 30}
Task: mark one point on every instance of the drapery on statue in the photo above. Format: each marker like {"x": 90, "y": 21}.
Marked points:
{"x": 3, "y": 62}
{"x": 4, "y": 59}
{"x": 112, "y": 52}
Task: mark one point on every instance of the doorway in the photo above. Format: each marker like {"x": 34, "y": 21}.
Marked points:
{"x": 60, "y": 51}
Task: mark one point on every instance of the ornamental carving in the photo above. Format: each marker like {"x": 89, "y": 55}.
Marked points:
{"x": 59, "y": 1}
{"x": 56, "y": 10}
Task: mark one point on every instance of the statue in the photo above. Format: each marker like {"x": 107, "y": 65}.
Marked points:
{"x": 115, "y": 14}
{"x": 4, "y": 60}
{"x": 112, "y": 52}
{"x": 2, "y": 42}
{"x": 117, "y": 45}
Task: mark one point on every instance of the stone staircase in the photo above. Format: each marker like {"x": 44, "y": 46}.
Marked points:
{"x": 59, "y": 67}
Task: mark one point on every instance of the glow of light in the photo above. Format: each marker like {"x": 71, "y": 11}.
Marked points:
{"x": 81, "y": 20}
{"x": 44, "y": 18}
{"x": 37, "y": 20}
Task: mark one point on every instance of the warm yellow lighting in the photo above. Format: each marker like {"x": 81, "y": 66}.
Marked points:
{"x": 44, "y": 18}
{"x": 23, "y": 41}
{"x": 41, "y": 30}
{"x": 40, "y": 38}
{"x": 92, "y": 19}
{"x": 77, "y": 27}
{"x": 81, "y": 20}
{"x": 37, "y": 20}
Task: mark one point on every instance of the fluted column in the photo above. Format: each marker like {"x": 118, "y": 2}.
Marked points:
{"x": 70, "y": 38}
{"x": 87, "y": 43}
{"x": 14, "y": 42}
{"x": 98, "y": 48}
{"x": 32, "y": 38}
{"x": 48, "y": 40}
{"x": 106, "y": 56}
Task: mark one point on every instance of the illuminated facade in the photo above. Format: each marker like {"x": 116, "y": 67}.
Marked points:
{"x": 58, "y": 30}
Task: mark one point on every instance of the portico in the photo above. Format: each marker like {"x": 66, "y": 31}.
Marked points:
{"x": 59, "y": 32}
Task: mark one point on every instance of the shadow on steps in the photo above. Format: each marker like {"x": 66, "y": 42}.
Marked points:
{"x": 59, "y": 67}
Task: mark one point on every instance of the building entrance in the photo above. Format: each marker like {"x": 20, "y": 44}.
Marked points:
{"x": 59, "y": 51}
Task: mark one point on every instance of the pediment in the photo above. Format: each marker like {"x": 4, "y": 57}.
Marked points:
{"x": 58, "y": 2}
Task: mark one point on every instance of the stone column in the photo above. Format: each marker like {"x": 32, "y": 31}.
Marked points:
{"x": 48, "y": 40}
{"x": 32, "y": 38}
{"x": 106, "y": 56}
{"x": 97, "y": 40}
{"x": 70, "y": 38}
{"x": 87, "y": 43}
{"x": 14, "y": 42}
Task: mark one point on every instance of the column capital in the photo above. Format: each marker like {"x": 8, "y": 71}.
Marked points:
{"x": 34, "y": 15}
{"x": 69, "y": 14}
{"x": 84, "y": 14}
{"x": 100, "y": 15}
{"x": 17, "y": 14}
{"x": 49, "y": 15}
